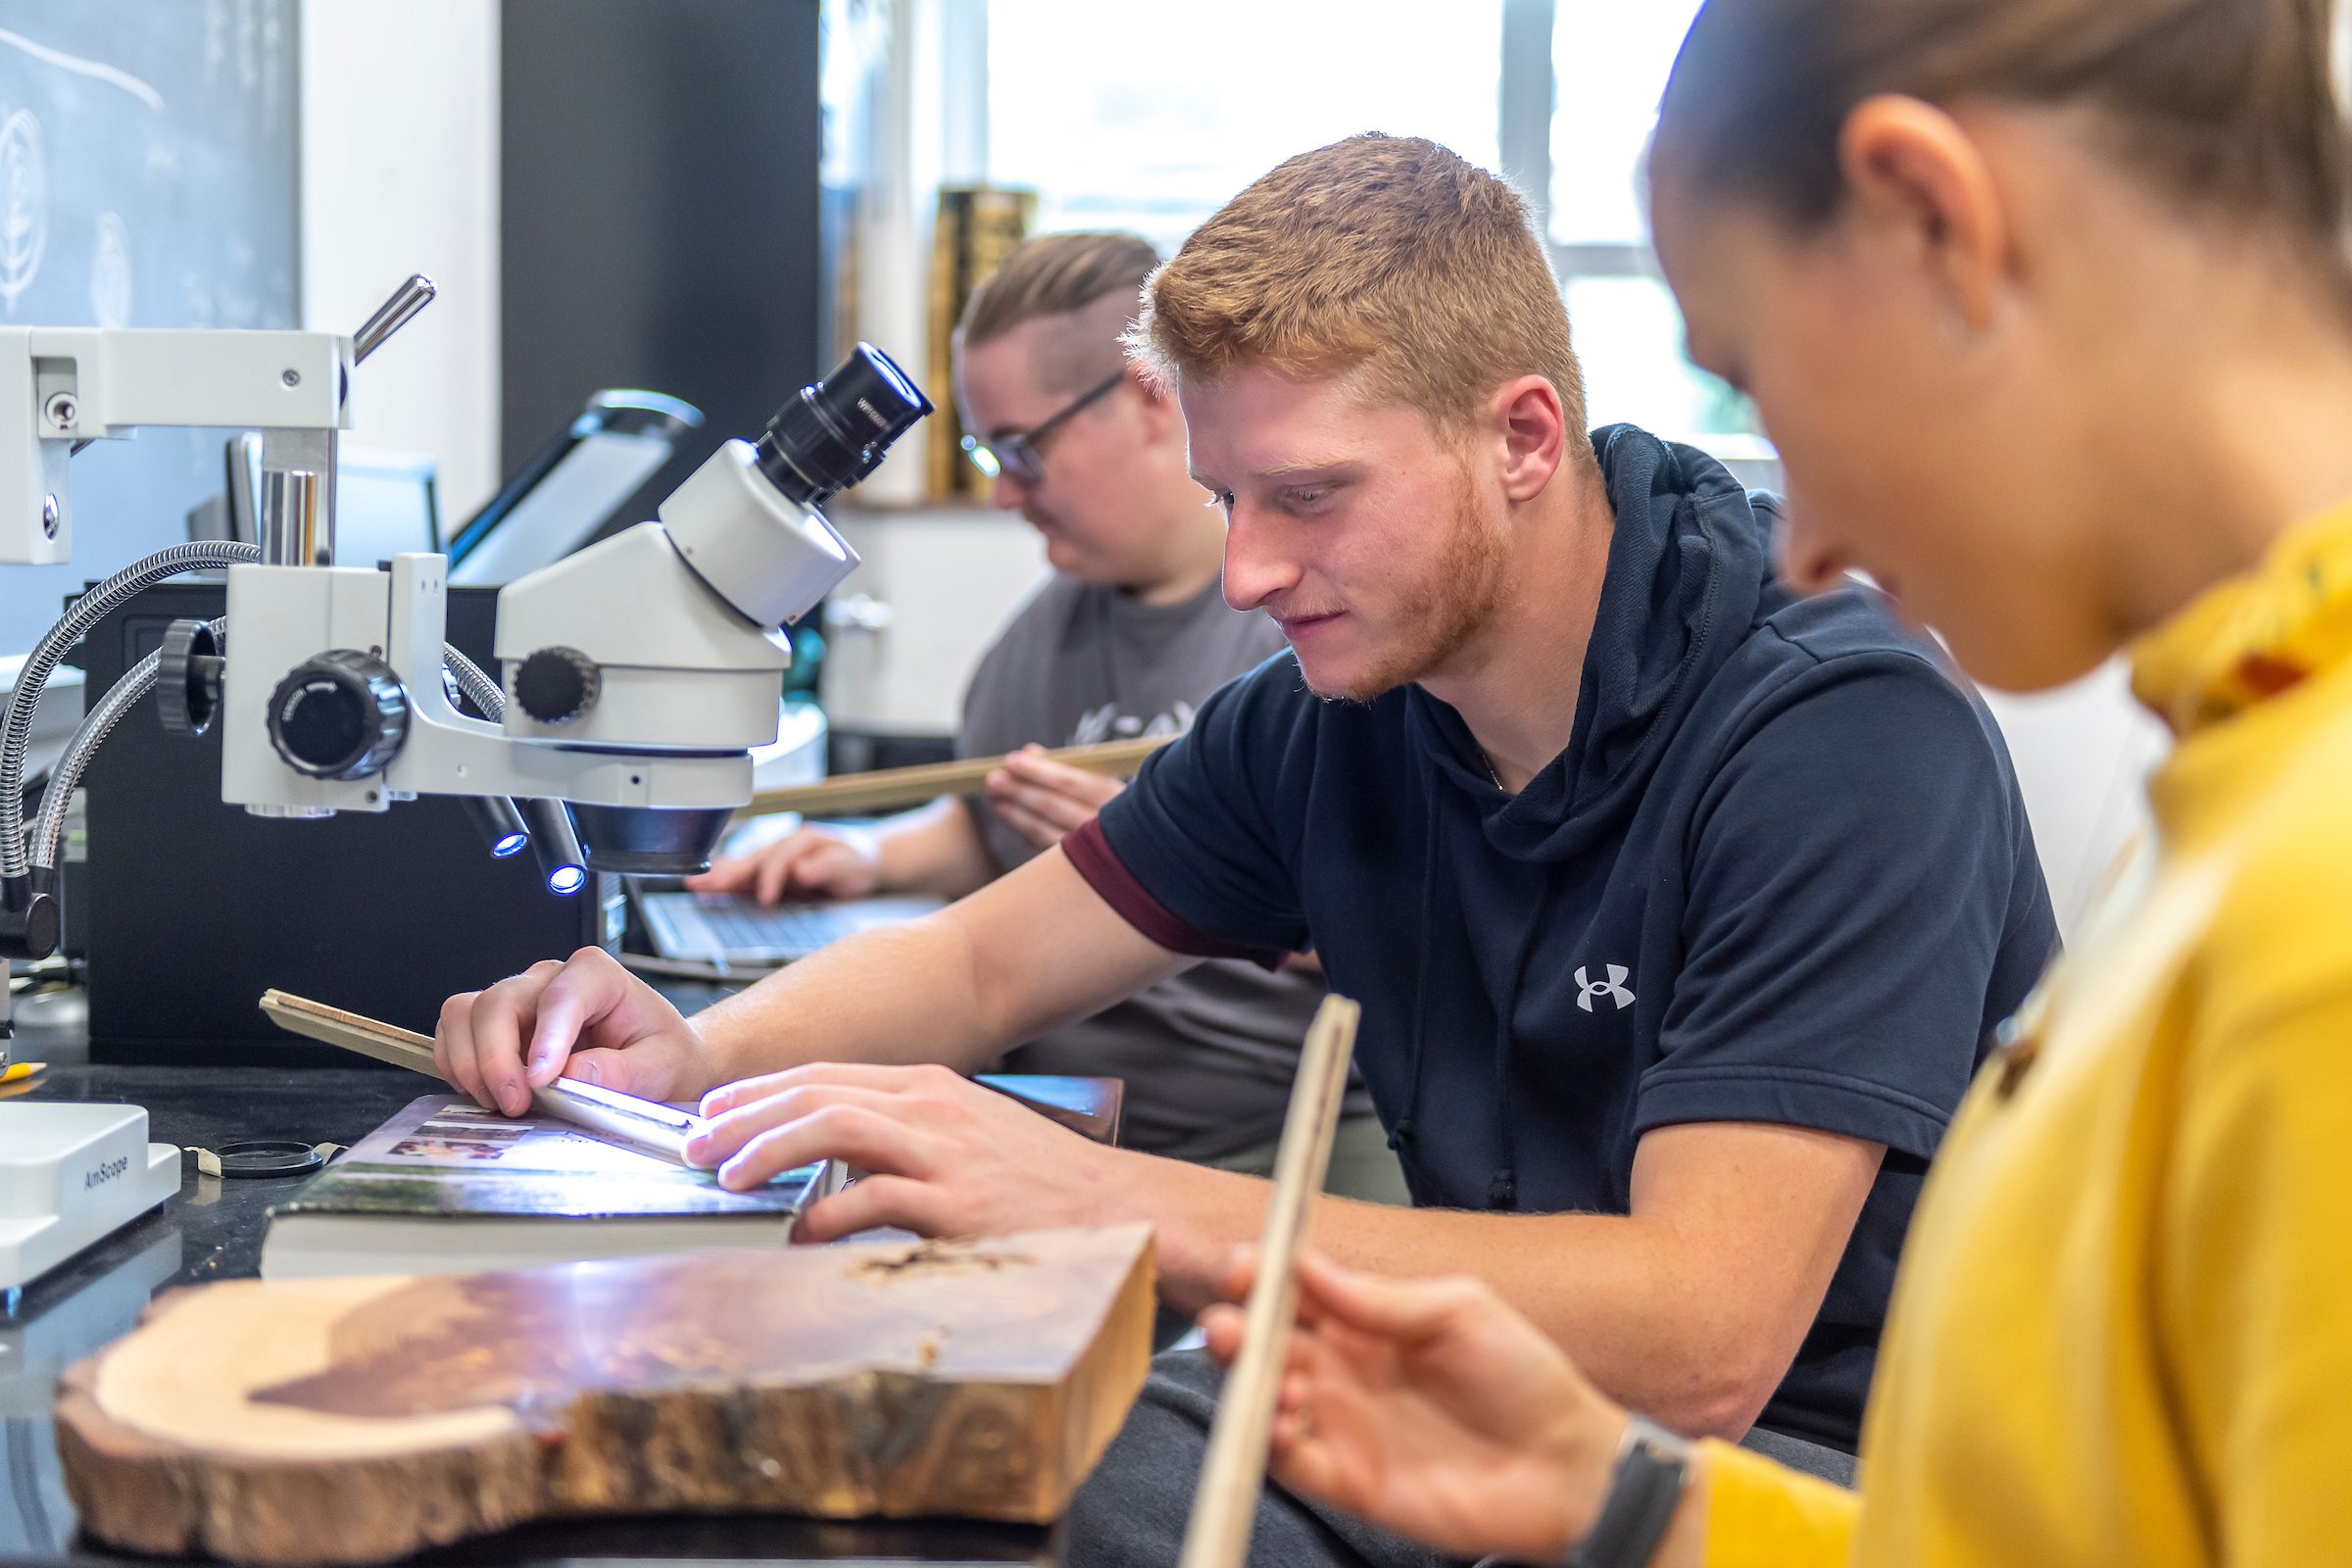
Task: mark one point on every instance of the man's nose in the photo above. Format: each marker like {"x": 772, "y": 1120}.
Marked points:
{"x": 1008, "y": 492}
{"x": 1258, "y": 565}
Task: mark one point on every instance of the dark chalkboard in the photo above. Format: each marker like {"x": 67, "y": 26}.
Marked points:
{"x": 147, "y": 178}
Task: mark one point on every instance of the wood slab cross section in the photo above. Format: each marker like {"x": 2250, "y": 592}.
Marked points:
{"x": 357, "y": 1420}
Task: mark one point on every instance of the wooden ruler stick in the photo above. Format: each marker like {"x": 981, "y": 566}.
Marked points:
{"x": 402, "y": 1048}
{"x": 645, "y": 1124}
{"x": 891, "y": 787}
{"x": 1233, "y": 1472}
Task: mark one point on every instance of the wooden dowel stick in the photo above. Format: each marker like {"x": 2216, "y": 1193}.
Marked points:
{"x": 1233, "y": 1472}
{"x": 641, "y": 1123}
{"x": 891, "y": 787}
{"x": 385, "y": 1041}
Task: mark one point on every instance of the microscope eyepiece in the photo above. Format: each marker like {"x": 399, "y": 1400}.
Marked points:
{"x": 834, "y": 433}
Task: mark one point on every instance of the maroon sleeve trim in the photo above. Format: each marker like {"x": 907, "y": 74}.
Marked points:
{"x": 1090, "y": 852}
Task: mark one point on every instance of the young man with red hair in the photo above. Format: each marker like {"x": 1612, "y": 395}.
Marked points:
{"x": 1128, "y": 637}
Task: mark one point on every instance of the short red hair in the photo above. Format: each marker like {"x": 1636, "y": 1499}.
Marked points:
{"x": 1388, "y": 258}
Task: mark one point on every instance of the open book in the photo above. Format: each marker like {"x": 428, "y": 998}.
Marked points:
{"x": 446, "y": 1187}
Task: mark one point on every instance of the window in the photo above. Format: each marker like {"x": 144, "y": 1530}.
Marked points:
{"x": 1146, "y": 118}
{"x": 1628, "y": 334}
{"x": 1609, "y": 61}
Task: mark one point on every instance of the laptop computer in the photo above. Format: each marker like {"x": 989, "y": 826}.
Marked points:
{"x": 722, "y": 928}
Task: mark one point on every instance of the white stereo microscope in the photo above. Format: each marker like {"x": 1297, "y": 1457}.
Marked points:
{"x": 635, "y": 675}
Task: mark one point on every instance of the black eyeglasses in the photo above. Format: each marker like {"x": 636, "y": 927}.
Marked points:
{"x": 1019, "y": 454}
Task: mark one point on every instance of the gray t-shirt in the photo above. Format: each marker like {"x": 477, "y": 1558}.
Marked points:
{"x": 1209, "y": 1056}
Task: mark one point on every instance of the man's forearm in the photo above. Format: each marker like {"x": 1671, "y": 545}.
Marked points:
{"x": 1033, "y": 950}
{"x": 1653, "y": 1326}
{"x": 936, "y": 849}
{"x": 902, "y": 994}
{"x": 1621, "y": 1296}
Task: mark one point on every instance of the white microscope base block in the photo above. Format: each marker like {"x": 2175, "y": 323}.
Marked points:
{"x": 70, "y": 1175}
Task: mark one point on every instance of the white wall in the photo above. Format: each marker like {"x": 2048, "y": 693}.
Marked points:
{"x": 399, "y": 176}
{"x": 903, "y": 635}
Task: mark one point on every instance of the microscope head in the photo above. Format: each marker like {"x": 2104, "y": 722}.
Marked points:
{"x": 665, "y": 637}
{"x": 636, "y": 675}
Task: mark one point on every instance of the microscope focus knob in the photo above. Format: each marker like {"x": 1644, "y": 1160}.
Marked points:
{"x": 187, "y": 678}
{"x": 556, "y": 685}
{"x": 342, "y": 715}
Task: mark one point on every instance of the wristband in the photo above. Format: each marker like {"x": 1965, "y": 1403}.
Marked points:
{"x": 1651, "y": 1465}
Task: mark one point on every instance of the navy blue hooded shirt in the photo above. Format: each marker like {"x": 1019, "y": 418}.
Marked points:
{"x": 1782, "y": 874}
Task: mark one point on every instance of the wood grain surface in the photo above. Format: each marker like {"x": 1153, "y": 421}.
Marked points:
{"x": 357, "y": 1420}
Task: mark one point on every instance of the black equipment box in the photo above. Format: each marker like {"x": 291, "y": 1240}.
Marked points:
{"x": 192, "y": 909}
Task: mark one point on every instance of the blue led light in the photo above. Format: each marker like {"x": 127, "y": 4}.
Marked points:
{"x": 982, "y": 458}
{"x": 566, "y": 879}
{"x": 511, "y": 844}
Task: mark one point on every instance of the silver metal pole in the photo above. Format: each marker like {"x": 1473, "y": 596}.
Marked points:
{"x": 406, "y": 301}
{"x": 291, "y": 522}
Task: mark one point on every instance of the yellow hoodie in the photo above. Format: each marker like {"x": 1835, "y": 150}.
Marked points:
{"x": 2123, "y": 1330}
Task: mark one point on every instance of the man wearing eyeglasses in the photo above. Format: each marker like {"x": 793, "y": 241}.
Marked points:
{"x": 1126, "y": 639}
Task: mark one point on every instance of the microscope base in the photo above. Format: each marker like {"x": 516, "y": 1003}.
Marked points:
{"x": 70, "y": 1175}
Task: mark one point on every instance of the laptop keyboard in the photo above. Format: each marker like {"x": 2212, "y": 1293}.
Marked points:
{"x": 740, "y": 927}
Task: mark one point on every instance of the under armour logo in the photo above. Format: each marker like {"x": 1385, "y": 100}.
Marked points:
{"x": 1613, "y": 987}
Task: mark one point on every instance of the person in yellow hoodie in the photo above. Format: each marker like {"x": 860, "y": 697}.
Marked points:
{"x": 2047, "y": 304}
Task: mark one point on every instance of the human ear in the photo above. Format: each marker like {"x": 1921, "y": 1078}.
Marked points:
{"x": 1534, "y": 429}
{"x": 1163, "y": 419}
{"x": 1915, "y": 175}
